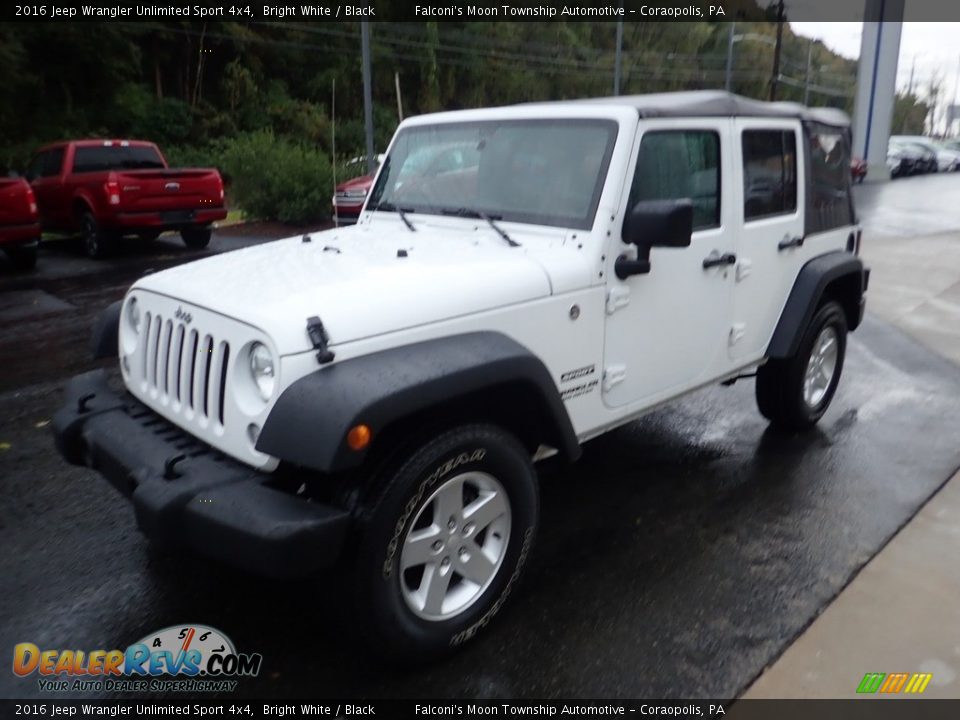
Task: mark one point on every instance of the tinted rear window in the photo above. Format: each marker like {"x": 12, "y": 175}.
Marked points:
{"x": 96, "y": 158}
{"x": 830, "y": 204}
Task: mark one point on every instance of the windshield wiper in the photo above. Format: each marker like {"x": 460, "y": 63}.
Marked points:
{"x": 468, "y": 212}
{"x": 402, "y": 212}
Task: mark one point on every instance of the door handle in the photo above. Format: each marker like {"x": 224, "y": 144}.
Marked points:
{"x": 790, "y": 242}
{"x": 715, "y": 259}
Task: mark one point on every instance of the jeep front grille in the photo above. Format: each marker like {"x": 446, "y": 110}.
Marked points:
{"x": 185, "y": 367}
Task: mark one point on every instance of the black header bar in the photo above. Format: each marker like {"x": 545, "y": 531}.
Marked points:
{"x": 464, "y": 11}
{"x": 182, "y": 706}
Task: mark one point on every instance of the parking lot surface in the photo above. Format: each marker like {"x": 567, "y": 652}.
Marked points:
{"x": 677, "y": 559}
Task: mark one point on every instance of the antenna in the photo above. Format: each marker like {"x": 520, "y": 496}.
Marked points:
{"x": 333, "y": 148}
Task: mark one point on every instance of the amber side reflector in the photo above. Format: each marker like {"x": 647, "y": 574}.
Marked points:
{"x": 358, "y": 437}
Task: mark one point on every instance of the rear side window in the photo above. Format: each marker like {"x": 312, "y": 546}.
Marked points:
{"x": 678, "y": 164}
{"x": 97, "y": 158}
{"x": 45, "y": 164}
{"x": 769, "y": 173}
{"x": 830, "y": 205}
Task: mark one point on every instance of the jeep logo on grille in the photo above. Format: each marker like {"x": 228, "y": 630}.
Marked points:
{"x": 181, "y": 314}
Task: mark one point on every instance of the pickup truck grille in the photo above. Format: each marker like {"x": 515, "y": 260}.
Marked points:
{"x": 186, "y": 367}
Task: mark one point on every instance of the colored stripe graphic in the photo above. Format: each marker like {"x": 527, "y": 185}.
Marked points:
{"x": 871, "y": 683}
{"x": 894, "y": 682}
{"x": 918, "y": 682}
{"x": 913, "y": 683}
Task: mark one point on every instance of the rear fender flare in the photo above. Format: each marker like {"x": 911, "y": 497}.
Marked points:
{"x": 808, "y": 291}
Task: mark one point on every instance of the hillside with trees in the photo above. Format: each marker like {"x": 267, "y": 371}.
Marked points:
{"x": 258, "y": 97}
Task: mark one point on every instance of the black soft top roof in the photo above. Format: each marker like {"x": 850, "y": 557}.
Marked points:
{"x": 717, "y": 103}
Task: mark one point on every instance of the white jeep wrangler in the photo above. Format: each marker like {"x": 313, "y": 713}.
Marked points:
{"x": 521, "y": 279}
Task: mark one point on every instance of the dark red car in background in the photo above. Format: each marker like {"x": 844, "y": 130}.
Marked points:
{"x": 105, "y": 189}
{"x": 858, "y": 169}
{"x": 350, "y": 195}
{"x": 19, "y": 222}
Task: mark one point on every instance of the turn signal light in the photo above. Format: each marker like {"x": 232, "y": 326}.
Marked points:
{"x": 359, "y": 437}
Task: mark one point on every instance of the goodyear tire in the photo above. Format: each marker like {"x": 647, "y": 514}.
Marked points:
{"x": 794, "y": 393}
{"x": 445, "y": 543}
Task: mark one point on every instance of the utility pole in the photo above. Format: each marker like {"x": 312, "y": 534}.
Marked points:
{"x": 333, "y": 145}
{"x": 367, "y": 95}
{"x": 728, "y": 82}
{"x": 775, "y": 78}
{"x": 619, "y": 60}
{"x": 396, "y": 84}
{"x": 806, "y": 77}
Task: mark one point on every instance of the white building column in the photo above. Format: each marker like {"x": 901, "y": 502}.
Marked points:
{"x": 877, "y": 84}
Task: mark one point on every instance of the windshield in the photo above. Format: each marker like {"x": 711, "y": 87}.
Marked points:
{"x": 545, "y": 172}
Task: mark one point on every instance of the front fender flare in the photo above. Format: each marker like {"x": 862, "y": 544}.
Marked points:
{"x": 308, "y": 425}
{"x": 105, "y": 338}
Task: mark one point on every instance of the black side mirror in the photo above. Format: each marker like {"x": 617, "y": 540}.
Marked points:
{"x": 654, "y": 223}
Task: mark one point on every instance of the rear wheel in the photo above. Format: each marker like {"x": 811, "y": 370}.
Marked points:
{"x": 149, "y": 235}
{"x": 445, "y": 542}
{"x": 23, "y": 257}
{"x": 794, "y": 393}
{"x": 196, "y": 237}
{"x": 96, "y": 242}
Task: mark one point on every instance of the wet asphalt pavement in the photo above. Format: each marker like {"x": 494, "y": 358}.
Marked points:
{"x": 677, "y": 559}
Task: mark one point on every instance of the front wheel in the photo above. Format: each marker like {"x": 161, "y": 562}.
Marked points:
{"x": 794, "y": 393}
{"x": 196, "y": 238}
{"x": 445, "y": 543}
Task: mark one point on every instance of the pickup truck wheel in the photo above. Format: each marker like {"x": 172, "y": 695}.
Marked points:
{"x": 23, "y": 257}
{"x": 794, "y": 393}
{"x": 96, "y": 243}
{"x": 445, "y": 543}
{"x": 196, "y": 238}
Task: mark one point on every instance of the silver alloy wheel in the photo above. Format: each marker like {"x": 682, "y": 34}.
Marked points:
{"x": 820, "y": 367}
{"x": 455, "y": 546}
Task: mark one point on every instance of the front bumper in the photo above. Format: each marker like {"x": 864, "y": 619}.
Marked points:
{"x": 185, "y": 494}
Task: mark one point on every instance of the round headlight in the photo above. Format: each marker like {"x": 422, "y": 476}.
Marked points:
{"x": 133, "y": 314}
{"x": 261, "y": 368}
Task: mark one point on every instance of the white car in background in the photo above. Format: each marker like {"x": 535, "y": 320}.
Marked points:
{"x": 948, "y": 159}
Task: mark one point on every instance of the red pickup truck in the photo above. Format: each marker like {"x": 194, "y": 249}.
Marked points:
{"x": 105, "y": 189}
{"x": 19, "y": 222}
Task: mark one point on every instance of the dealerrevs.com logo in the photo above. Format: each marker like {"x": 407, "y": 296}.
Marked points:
{"x": 198, "y": 658}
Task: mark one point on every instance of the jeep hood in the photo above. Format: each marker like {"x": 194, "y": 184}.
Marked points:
{"x": 357, "y": 281}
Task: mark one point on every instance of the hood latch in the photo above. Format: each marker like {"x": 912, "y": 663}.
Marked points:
{"x": 318, "y": 336}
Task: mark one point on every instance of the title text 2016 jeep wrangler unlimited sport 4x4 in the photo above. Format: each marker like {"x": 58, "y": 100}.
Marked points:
{"x": 521, "y": 279}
